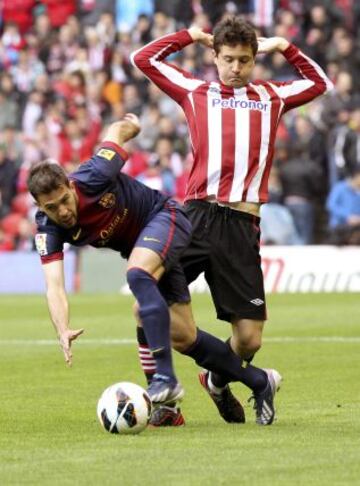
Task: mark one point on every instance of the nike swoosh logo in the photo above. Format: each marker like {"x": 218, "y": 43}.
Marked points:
{"x": 157, "y": 350}
{"x": 148, "y": 238}
{"x": 77, "y": 234}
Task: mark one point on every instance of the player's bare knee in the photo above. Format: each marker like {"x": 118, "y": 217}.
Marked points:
{"x": 252, "y": 348}
{"x": 246, "y": 346}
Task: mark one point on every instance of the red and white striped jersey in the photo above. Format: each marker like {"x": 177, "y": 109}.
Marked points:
{"x": 232, "y": 130}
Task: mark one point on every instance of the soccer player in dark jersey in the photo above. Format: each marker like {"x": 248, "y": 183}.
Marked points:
{"x": 232, "y": 123}
{"x": 100, "y": 206}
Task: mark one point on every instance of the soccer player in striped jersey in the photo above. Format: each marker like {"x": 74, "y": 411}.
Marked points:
{"x": 232, "y": 125}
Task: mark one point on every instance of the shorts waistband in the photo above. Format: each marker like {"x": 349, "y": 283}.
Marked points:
{"x": 217, "y": 208}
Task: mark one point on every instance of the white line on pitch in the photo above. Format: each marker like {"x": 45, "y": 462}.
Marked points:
{"x": 121, "y": 342}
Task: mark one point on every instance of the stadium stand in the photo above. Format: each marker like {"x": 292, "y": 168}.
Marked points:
{"x": 65, "y": 67}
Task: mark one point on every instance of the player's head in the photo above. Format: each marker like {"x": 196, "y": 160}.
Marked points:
{"x": 54, "y": 193}
{"x": 235, "y": 48}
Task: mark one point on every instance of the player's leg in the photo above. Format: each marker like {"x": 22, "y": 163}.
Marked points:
{"x": 246, "y": 341}
{"x": 246, "y": 337}
{"x": 186, "y": 339}
{"x": 144, "y": 269}
{"x": 158, "y": 245}
{"x": 147, "y": 361}
{"x": 236, "y": 283}
{"x": 162, "y": 415}
{"x": 208, "y": 351}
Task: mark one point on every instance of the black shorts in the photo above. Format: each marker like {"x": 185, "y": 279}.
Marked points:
{"x": 226, "y": 246}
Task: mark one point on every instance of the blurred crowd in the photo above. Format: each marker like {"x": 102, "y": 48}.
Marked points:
{"x": 65, "y": 75}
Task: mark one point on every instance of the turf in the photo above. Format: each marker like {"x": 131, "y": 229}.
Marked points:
{"x": 49, "y": 432}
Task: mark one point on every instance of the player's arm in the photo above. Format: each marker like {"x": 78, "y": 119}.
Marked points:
{"x": 59, "y": 307}
{"x": 314, "y": 81}
{"x": 150, "y": 59}
{"x": 110, "y": 157}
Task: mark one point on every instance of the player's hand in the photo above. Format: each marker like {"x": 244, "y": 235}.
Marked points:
{"x": 272, "y": 44}
{"x": 65, "y": 339}
{"x": 202, "y": 37}
{"x": 128, "y": 127}
{"x": 353, "y": 220}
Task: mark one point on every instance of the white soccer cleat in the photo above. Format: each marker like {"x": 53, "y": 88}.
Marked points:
{"x": 264, "y": 401}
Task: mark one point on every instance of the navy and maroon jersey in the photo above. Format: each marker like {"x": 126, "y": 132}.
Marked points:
{"x": 113, "y": 208}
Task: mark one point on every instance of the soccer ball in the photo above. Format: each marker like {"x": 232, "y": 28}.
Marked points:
{"x": 124, "y": 408}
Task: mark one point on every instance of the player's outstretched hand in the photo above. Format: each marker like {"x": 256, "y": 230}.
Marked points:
{"x": 65, "y": 340}
{"x": 271, "y": 44}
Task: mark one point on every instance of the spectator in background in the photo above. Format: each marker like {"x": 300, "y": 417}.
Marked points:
{"x": 277, "y": 224}
{"x": 8, "y": 176}
{"x": 181, "y": 10}
{"x": 343, "y": 205}
{"x": 32, "y": 113}
{"x": 91, "y": 11}
{"x": 351, "y": 148}
{"x": 11, "y": 139}
{"x": 19, "y": 12}
{"x": 9, "y": 111}
{"x": 26, "y": 71}
{"x": 127, "y": 13}
{"x": 42, "y": 40}
{"x": 303, "y": 182}
{"x": 6, "y": 241}
{"x": 76, "y": 143}
{"x": 59, "y": 10}
{"x": 164, "y": 165}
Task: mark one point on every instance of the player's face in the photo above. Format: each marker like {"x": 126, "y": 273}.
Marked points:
{"x": 235, "y": 64}
{"x": 60, "y": 206}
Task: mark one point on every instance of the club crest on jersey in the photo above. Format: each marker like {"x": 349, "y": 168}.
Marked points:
{"x": 234, "y": 103}
{"x": 40, "y": 243}
{"x": 106, "y": 153}
{"x": 107, "y": 201}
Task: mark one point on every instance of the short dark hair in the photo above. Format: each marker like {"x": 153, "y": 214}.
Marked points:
{"x": 232, "y": 31}
{"x": 45, "y": 177}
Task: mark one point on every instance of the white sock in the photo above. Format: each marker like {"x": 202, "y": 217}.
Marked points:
{"x": 213, "y": 388}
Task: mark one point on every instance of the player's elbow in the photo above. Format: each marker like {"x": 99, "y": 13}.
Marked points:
{"x": 138, "y": 60}
{"x": 326, "y": 87}
{"x": 329, "y": 86}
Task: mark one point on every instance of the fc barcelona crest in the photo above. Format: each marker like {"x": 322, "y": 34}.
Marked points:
{"x": 108, "y": 200}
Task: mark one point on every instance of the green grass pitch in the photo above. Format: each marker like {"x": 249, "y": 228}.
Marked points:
{"x": 49, "y": 433}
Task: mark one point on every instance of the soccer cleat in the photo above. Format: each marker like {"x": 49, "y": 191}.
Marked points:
{"x": 163, "y": 390}
{"x": 165, "y": 416}
{"x": 264, "y": 401}
{"x": 229, "y": 407}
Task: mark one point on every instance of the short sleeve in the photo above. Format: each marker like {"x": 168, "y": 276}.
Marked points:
{"x": 48, "y": 239}
{"x": 102, "y": 168}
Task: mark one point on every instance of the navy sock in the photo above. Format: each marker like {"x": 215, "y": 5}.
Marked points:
{"x": 219, "y": 380}
{"x": 216, "y": 356}
{"x": 155, "y": 318}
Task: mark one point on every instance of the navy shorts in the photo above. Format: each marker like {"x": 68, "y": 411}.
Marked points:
{"x": 168, "y": 234}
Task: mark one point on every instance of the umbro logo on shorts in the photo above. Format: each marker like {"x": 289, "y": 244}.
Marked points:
{"x": 256, "y": 302}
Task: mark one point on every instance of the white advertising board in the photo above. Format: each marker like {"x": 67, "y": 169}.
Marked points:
{"x": 306, "y": 269}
